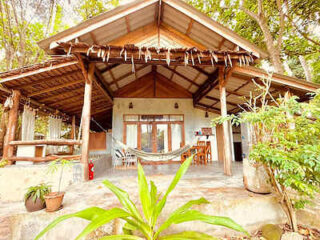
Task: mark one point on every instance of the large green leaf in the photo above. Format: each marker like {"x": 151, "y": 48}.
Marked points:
{"x": 194, "y": 215}
{"x": 179, "y": 211}
{"x": 153, "y": 193}
{"x": 182, "y": 170}
{"x": 124, "y": 199}
{"x": 144, "y": 193}
{"x": 102, "y": 220}
{"x": 89, "y": 214}
{"x": 188, "y": 235}
{"x": 121, "y": 237}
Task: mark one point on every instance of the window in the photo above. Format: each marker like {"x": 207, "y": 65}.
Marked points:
{"x": 154, "y": 133}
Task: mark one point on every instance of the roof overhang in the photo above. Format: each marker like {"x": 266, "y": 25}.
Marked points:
{"x": 185, "y": 12}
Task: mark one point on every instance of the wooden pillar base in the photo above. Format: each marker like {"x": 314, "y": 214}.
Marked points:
{"x": 8, "y": 150}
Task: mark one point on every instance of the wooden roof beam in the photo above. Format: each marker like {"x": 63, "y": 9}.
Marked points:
{"x": 218, "y": 100}
{"x": 34, "y": 72}
{"x": 50, "y": 79}
{"x": 128, "y": 74}
{"x": 109, "y": 67}
{"x": 182, "y": 76}
{"x": 52, "y": 89}
{"x": 98, "y": 80}
{"x": 211, "y": 82}
{"x": 189, "y": 27}
{"x": 206, "y": 107}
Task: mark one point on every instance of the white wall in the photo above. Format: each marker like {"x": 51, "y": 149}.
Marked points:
{"x": 194, "y": 118}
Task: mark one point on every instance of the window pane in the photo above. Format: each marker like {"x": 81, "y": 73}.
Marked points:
{"x": 146, "y": 137}
{"x": 162, "y": 138}
{"x": 130, "y": 118}
{"x": 176, "y": 132}
{"x": 132, "y": 135}
{"x": 176, "y": 118}
{"x": 147, "y": 118}
{"x": 162, "y": 117}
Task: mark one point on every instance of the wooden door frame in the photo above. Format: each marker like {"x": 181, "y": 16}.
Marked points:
{"x": 154, "y": 124}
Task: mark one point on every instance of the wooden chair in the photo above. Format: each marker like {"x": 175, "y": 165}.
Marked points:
{"x": 208, "y": 151}
{"x": 201, "y": 155}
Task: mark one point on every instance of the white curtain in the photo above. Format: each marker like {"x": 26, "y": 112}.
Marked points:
{"x": 132, "y": 135}
{"x": 176, "y": 132}
{"x": 54, "y": 127}
{"x": 28, "y": 121}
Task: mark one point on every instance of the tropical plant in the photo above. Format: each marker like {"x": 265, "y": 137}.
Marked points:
{"x": 54, "y": 166}
{"x": 3, "y": 163}
{"x": 144, "y": 226}
{"x": 286, "y": 140}
{"x": 37, "y": 192}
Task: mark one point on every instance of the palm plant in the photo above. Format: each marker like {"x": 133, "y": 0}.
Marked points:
{"x": 146, "y": 227}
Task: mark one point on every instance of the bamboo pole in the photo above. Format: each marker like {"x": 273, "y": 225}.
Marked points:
{"x": 86, "y": 114}
{"x": 8, "y": 149}
{"x": 226, "y": 133}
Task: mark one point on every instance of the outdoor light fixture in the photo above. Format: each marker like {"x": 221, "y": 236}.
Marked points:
{"x": 206, "y": 115}
{"x": 130, "y": 105}
{"x": 176, "y": 105}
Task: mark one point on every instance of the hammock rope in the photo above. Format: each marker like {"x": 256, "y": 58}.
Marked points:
{"x": 154, "y": 157}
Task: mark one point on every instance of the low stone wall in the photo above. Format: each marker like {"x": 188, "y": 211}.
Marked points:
{"x": 101, "y": 160}
{"x": 15, "y": 179}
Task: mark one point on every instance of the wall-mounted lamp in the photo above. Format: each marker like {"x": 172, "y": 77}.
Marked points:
{"x": 206, "y": 115}
{"x": 176, "y": 105}
{"x": 130, "y": 105}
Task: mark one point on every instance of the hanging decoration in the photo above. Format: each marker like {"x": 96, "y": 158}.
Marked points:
{"x": 179, "y": 56}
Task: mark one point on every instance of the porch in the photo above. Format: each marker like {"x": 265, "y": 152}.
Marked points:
{"x": 227, "y": 197}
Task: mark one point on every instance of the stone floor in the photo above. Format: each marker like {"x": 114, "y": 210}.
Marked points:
{"x": 226, "y": 195}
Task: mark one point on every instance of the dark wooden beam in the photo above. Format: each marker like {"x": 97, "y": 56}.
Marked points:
{"x": 182, "y": 76}
{"x": 218, "y": 100}
{"x": 206, "y": 87}
{"x": 109, "y": 67}
{"x": 104, "y": 88}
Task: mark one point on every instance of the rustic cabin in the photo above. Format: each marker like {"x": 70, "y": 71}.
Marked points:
{"x": 138, "y": 83}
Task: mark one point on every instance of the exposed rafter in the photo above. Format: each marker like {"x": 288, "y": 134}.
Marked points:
{"x": 206, "y": 87}
{"x": 182, "y": 76}
{"x": 102, "y": 86}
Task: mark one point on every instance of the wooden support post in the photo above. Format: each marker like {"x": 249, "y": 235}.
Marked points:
{"x": 12, "y": 126}
{"x": 226, "y": 133}
{"x": 86, "y": 114}
{"x": 73, "y": 133}
{"x": 3, "y": 128}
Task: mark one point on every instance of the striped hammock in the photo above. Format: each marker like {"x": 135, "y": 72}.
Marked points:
{"x": 155, "y": 157}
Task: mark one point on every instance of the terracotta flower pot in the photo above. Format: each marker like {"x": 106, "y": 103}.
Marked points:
{"x": 32, "y": 206}
{"x": 54, "y": 201}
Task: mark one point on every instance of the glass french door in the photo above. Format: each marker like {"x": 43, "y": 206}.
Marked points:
{"x": 157, "y": 134}
{"x": 162, "y": 138}
{"x": 146, "y": 137}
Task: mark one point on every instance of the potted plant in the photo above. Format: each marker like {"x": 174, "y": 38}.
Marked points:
{"x": 34, "y": 197}
{"x": 54, "y": 199}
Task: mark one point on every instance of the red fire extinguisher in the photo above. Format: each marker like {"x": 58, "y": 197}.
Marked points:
{"x": 91, "y": 170}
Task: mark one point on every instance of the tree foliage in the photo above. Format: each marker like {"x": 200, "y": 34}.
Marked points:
{"x": 285, "y": 29}
{"x": 286, "y": 140}
{"x": 90, "y": 8}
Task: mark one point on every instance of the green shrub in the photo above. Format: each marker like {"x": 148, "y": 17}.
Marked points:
{"x": 37, "y": 192}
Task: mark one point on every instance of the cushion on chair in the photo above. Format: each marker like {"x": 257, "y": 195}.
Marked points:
{"x": 119, "y": 154}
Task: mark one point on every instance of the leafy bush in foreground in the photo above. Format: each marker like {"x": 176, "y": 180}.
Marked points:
{"x": 138, "y": 226}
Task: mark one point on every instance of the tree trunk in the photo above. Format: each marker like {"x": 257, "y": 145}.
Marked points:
{"x": 306, "y": 68}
